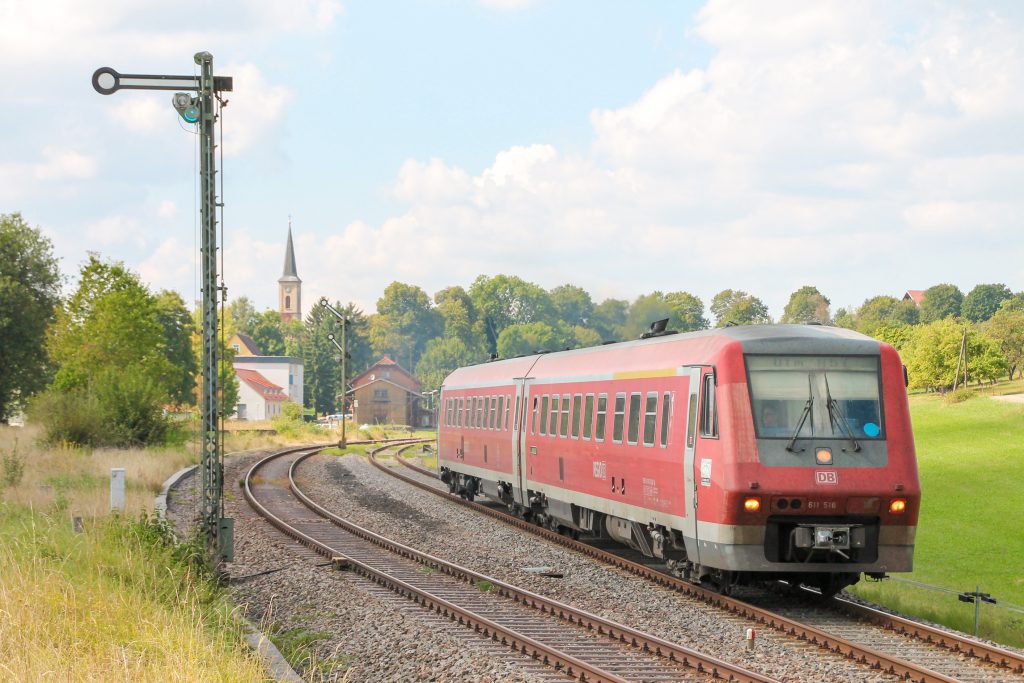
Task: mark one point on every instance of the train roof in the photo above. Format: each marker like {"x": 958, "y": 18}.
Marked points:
{"x": 670, "y": 350}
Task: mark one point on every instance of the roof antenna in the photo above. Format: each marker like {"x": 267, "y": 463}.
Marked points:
{"x": 658, "y": 329}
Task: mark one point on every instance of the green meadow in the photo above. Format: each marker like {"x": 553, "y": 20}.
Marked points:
{"x": 971, "y": 529}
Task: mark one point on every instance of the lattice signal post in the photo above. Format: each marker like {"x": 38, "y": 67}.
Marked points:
{"x": 199, "y": 110}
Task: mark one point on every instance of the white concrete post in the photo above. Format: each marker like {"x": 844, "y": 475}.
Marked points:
{"x": 117, "y": 488}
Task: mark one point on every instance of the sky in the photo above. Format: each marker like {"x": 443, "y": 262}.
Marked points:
{"x": 863, "y": 148}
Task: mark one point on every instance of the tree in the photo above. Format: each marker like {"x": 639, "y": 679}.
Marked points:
{"x": 178, "y": 328}
{"x": 608, "y": 318}
{"x": 1014, "y": 303}
{"x": 933, "y": 351}
{"x": 687, "y": 312}
{"x": 806, "y": 304}
{"x": 983, "y": 301}
{"x": 115, "y": 358}
{"x": 266, "y": 329}
{"x": 29, "y": 294}
{"x": 459, "y": 317}
{"x": 322, "y": 372}
{"x": 111, "y": 321}
{"x": 1006, "y": 328}
{"x": 572, "y": 304}
{"x": 941, "y": 301}
{"x": 241, "y": 317}
{"x": 404, "y": 323}
{"x": 440, "y": 358}
{"x": 528, "y": 338}
{"x": 884, "y": 311}
{"x": 739, "y": 308}
{"x": 505, "y": 300}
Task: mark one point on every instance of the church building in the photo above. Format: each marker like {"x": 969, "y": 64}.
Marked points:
{"x": 289, "y": 285}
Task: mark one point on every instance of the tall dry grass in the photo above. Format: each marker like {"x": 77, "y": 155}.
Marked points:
{"x": 77, "y": 480}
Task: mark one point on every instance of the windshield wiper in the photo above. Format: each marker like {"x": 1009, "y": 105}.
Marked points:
{"x": 835, "y": 412}
{"x": 803, "y": 418}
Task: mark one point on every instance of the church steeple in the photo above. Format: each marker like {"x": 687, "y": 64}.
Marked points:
{"x": 289, "y": 285}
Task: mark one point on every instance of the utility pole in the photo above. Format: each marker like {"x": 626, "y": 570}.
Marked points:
{"x": 199, "y": 110}
{"x": 343, "y": 320}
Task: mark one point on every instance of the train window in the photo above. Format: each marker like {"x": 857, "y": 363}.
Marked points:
{"x": 666, "y": 413}
{"x": 650, "y": 417}
{"x": 494, "y": 412}
{"x": 602, "y": 408}
{"x": 501, "y": 412}
{"x": 448, "y": 412}
{"x": 620, "y": 417}
{"x": 842, "y": 393}
{"x": 544, "y": 416}
{"x": 634, "y": 419}
{"x": 458, "y": 412}
{"x": 588, "y": 416}
{"x": 508, "y": 407}
{"x": 533, "y": 420}
{"x": 480, "y": 412}
{"x": 577, "y": 405}
{"x": 515, "y": 415}
{"x": 563, "y": 426}
{"x": 464, "y": 404}
{"x": 709, "y": 409}
{"x": 553, "y": 417}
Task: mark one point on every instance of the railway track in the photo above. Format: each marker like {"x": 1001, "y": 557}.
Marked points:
{"x": 907, "y": 649}
{"x": 575, "y": 643}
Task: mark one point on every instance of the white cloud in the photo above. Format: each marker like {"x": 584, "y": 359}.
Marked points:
{"x": 167, "y": 209}
{"x": 64, "y": 164}
{"x": 115, "y": 230}
{"x": 253, "y": 108}
{"x": 173, "y": 265}
{"x": 818, "y": 142}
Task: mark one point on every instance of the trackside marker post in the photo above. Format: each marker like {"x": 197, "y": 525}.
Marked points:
{"x": 117, "y": 489}
{"x": 750, "y": 635}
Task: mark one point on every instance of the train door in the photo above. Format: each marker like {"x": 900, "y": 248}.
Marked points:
{"x": 519, "y": 420}
{"x": 691, "y": 466}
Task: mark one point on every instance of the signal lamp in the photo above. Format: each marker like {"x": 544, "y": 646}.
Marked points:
{"x": 752, "y": 504}
{"x": 823, "y": 456}
{"x": 186, "y": 106}
{"x": 898, "y": 506}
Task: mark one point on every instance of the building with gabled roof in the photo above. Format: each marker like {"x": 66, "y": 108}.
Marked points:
{"x": 387, "y": 393}
{"x": 258, "y": 397}
{"x": 915, "y": 295}
{"x": 243, "y": 345}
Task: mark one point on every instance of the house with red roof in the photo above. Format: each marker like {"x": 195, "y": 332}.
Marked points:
{"x": 915, "y": 295}
{"x": 258, "y": 397}
{"x": 387, "y": 393}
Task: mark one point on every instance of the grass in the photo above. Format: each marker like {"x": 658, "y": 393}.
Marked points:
{"x": 971, "y": 464}
{"x": 119, "y": 601}
{"x": 299, "y": 646}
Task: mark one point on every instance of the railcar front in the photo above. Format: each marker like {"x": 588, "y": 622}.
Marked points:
{"x": 819, "y": 481}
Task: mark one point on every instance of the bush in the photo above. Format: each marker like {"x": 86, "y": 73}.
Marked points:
{"x": 958, "y": 396}
{"x": 14, "y": 467}
{"x": 120, "y": 409}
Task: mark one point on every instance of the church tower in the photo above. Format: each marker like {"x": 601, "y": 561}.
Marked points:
{"x": 289, "y": 285}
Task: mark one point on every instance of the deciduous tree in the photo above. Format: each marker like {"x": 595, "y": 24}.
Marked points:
{"x": 941, "y": 301}
{"x": 1006, "y": 327}
{"x": 884, "y": 311}
{"x": 29, "y": 293}
{"x": 739, "y": 308}
{"x": 687, "y": 312}
{"x": 505, "y": 300}
{"x": 983, "y": 301}
{"x": 806, "y": 304}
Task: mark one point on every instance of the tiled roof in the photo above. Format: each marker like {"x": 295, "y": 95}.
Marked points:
{"x": 263, "y": 386}
{"x": 915, "y": 295}
{"x": 250, "y": 344}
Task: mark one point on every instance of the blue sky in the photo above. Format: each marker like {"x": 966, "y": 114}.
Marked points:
{"x": 623, "y": 147}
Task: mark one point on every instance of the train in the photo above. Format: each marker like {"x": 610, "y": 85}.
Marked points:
{"x": 734, "y": 456}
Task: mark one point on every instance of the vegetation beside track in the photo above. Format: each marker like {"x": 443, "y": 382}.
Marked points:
{"x": 971, "y": 462}
{"x": 119, "y": 600}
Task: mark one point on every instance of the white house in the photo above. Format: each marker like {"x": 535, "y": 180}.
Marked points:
{"x": 258, "y": 397}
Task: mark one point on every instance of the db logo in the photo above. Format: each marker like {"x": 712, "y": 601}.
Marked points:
{"x": 828, "y": 477}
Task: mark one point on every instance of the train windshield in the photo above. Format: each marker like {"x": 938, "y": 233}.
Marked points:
{"x": 832, "y": 397}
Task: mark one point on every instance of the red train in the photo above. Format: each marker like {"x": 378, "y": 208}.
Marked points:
{"x": 735, "y": 455}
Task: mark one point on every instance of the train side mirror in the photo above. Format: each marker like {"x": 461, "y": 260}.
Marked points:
{"x": 906, "y": 377}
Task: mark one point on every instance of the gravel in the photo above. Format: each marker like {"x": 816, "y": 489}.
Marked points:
{"x": 352, "y": 488}
{"x": 353, "y": 629}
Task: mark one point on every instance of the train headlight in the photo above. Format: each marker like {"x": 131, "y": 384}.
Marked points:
{"x": 751, "y": 504}
{"x": 898, "y": 506}
{"x": 823, "y": 456}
